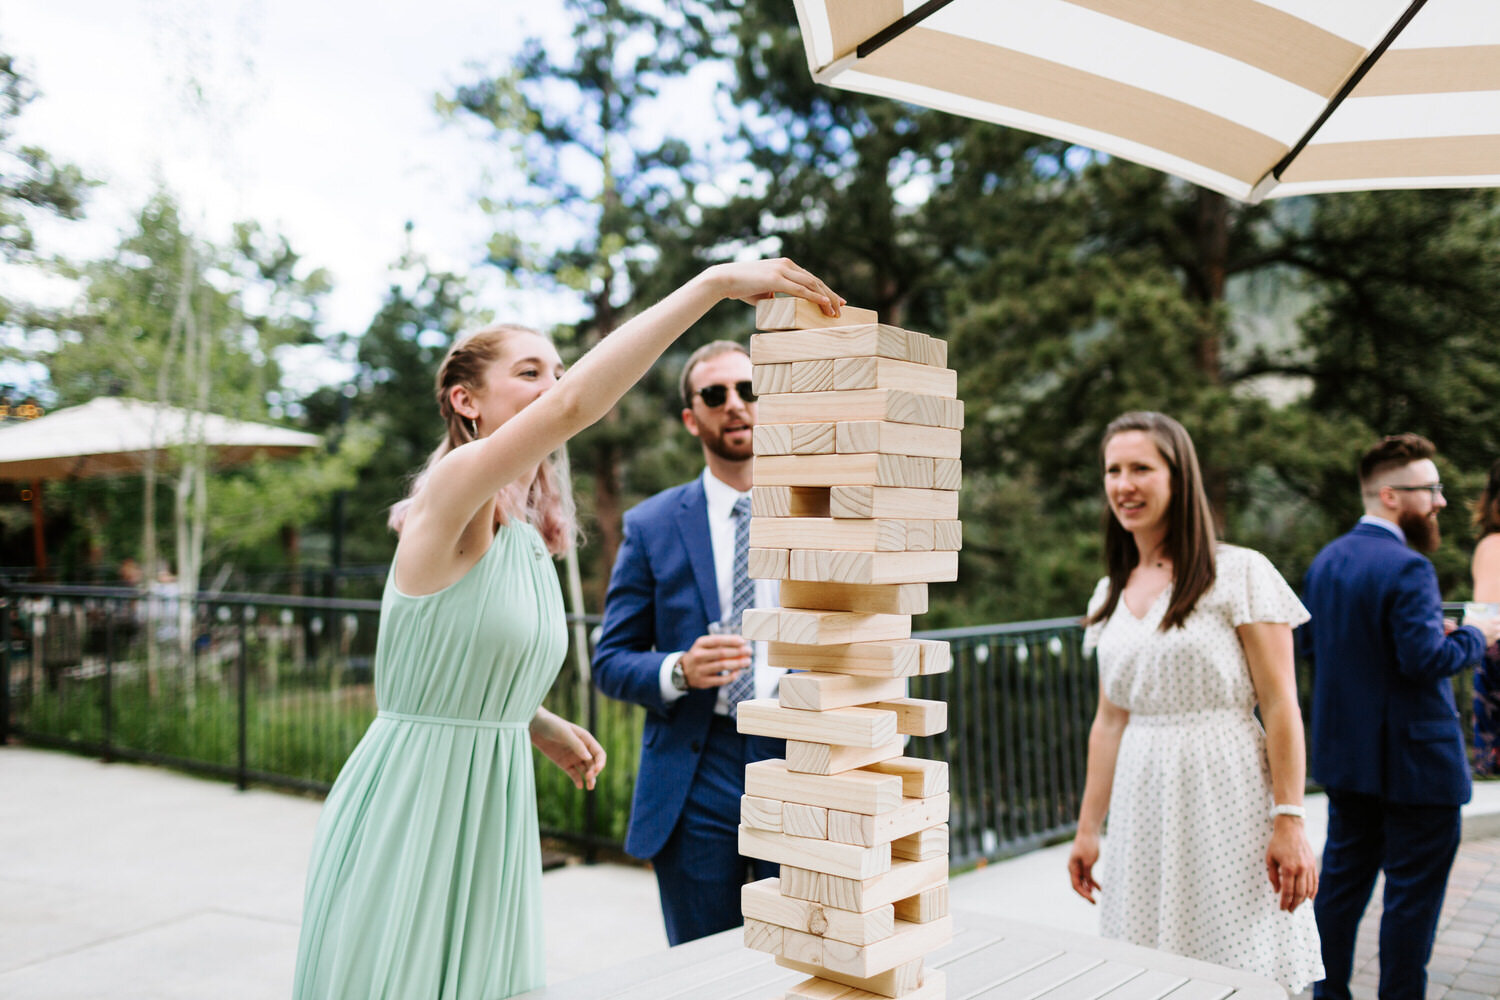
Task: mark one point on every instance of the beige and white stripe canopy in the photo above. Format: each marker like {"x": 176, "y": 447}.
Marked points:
{"x": 1254, "y": 99}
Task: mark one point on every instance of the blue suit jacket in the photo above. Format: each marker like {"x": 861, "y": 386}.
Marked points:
{"x": 662, "y": 595}
{"x": 1383, "y": 718}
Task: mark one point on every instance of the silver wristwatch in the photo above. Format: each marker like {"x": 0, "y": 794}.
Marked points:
{"x": 679, "y": 679}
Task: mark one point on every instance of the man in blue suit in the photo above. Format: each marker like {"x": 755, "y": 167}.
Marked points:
{"x": 675, "y": 573}
{"x": 1386, "y": 740}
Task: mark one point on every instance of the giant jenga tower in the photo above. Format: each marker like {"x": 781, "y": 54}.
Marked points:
{"x": 855, "y": 509}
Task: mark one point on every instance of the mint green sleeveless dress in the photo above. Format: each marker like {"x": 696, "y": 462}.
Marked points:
{"x": 425, "y": 879}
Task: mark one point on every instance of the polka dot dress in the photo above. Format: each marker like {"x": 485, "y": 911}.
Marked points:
{"x": 1183, "y": 865}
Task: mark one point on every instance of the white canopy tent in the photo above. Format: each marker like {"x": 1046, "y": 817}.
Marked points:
{"x": 111, "y": 436}
{"x": 1252, "y": 98}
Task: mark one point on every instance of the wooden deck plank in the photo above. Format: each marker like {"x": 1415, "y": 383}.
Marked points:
{"x": 1149, "y": 985}
{"x": 986, "y": 954}
{"x": 1199, "y": 989}
{"x": 1049, "y": 975}
{"x": 1095, "y": 983}
{"x": 991, "y": 964}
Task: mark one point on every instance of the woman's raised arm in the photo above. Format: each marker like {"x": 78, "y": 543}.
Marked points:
{"x": 465, "y": 479}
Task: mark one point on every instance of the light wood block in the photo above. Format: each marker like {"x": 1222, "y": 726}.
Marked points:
{"x": 798, "y": 820}
{"x": 813, "y": 376}
{"x": 880, "y": 535}
{"x": 936, "y": 656}
{"x": 790, "y": 501}
{"x": 911, "y": 816}
{"x": 769, "y": 564}
{"x": 856, "y": 436}
{"x": 792, "y": 313}
{"x": 888, "y": 373}
{"x": 888, "y": 599}
{"x": 929, "y": 843}
{"x": 855, "y": 341}
{"x": 906, "y": 878}
{"x": 793, "y": 376}
{"x": 823, "y": 628}
{"x": 947, "y": 474}
{"x": 902, "y": 981}
{"x": 771, "y": 378}
{"x": 804, "y": 883}
{"x": 920, "y": 778}
{"x": 823, "y": 565}
{"x": 760, "y": 623}
{"x": 797, "y": 947}
{"x": 794, "y": 439}
{"x": 891, "y": 501}
{"x": 763, "y": 901}
{"x": 843, "y": 860}
{"x": 928, "y": 350}
{"x": 855, "y": 727}
{"x": 818, "y": 692}
{"x": 925, "y": 906}
{"x": 905, "y": 471}
{"x": 828, "y": 758}
{"x": 762, "y": 814}
{"x": 934, "y": 987}
{"x": 763, "y": 936}
{"x": 887, "y": 658}
{"x": 917, "y": 716}
{"x": 921, "y": 536}
{"x": 894, "y": 405}
{"x": 854, "y": 535}
{"x": 852, "y": 791}
{"x": 909, "y": 942}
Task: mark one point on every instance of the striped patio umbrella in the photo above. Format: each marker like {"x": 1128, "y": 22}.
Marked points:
{"x": 1253, "y": 99}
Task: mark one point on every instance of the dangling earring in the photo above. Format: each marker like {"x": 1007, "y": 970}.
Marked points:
{"x": 473, "y": 428}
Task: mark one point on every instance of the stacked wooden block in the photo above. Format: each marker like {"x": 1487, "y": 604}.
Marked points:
{"x": 855, "y": 509}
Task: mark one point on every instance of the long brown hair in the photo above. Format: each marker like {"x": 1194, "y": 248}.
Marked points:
{"x": 1487, "y": 507}
{"x": 547, "y": 504}
{"x": 1190, "y": 537}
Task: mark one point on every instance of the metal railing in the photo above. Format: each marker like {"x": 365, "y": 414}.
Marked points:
{"x": 1020, "y": 700}
{"x": 277, "y": 690}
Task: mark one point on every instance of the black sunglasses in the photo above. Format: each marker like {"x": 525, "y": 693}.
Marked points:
{"x": 715, "y": 396}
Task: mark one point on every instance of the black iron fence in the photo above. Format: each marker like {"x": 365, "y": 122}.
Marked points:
{"x": 277, "y": 690}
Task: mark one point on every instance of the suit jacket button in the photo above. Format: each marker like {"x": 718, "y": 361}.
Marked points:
{"x": 697, "y": 747}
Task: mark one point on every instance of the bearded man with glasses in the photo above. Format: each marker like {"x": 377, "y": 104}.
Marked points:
{"x": 670, "y": 643}
{"x": 1386, "y": 740}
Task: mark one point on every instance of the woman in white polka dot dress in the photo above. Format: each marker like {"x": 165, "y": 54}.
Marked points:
{"x": 1206, "y": 854}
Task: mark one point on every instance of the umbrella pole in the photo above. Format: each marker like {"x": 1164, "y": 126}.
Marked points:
{"x": 38, "y": 529}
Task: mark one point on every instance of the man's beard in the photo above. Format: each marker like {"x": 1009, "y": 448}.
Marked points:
{"x": 1422, "y": 532}
{"x": 734, "y": 453}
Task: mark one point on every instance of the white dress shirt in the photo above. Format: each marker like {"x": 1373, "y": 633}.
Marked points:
{"x": 721, "y": 499}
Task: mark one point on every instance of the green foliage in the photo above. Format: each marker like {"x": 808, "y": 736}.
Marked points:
{"x": 125, "y": 336}
{"x": 302, "y": 721}
{"x": 603, "y": 192}
{"x": 390, "y": 401}
{"x": 31, "y": 182}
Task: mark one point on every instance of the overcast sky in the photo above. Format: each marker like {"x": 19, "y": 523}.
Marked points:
{"x": 316, "y": 120}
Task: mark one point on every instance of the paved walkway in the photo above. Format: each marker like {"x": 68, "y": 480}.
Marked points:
{"x": 1466, "y": 959}
{"x": 139, "y": 883}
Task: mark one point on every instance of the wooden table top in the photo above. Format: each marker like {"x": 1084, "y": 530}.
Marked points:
{"x": 988, "y": 959}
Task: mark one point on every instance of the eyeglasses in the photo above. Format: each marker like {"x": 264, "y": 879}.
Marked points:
{"x": 715, "y": 396}
{"x": 1435, "y": 489}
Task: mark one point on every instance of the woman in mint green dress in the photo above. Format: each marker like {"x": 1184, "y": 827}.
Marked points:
{"x": 425, "y": 879}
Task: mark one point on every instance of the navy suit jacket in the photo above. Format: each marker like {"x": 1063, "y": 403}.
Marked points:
{"x": 662, "y": 595}
{"x": 1383, "y": 718}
